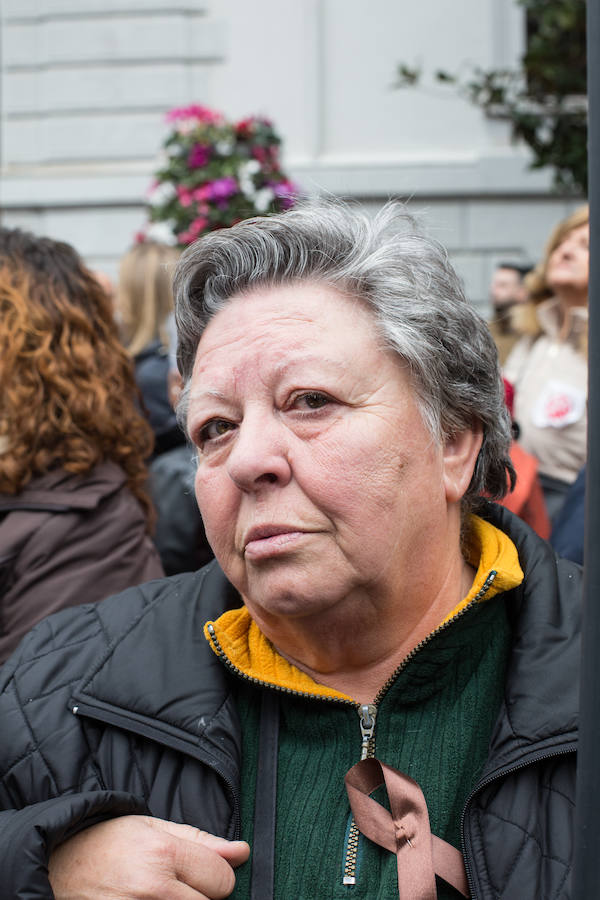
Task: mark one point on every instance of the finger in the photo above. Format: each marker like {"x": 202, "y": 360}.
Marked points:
{"x": 203, "y": 869}
{"x": 235, "y": 852}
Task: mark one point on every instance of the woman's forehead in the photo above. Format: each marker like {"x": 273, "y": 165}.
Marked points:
{"x": 291, "y": 308}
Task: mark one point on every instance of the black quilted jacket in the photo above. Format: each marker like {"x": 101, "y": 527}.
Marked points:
{"x": 122, "y": 708}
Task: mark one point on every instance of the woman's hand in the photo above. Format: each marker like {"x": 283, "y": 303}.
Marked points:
{"x": 141, "y": 857}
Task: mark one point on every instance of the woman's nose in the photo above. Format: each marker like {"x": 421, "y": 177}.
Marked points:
{"x": 567, "y": 247}
{"x": 259, "y": 456}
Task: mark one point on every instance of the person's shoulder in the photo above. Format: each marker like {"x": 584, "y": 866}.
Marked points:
{"x": 64, "y": 645}
{"x": 77, "y": 635}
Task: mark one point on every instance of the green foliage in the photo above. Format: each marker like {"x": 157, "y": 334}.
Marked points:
{"x": 545, "y": 99}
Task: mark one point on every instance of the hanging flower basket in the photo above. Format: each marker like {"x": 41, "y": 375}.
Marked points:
{"x": 214, "y": 173}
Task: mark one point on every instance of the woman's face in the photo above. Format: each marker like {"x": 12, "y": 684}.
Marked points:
{"x": 568, "y": 265}
{"x": 317, "y": 479}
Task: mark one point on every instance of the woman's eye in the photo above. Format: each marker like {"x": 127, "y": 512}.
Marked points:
{"x": 313, "y": 399}
{"x": 214, "y": 429}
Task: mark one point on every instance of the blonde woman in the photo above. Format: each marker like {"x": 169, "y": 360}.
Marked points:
{"x": 548, "y": 366}
{"x": 144, "y": 305}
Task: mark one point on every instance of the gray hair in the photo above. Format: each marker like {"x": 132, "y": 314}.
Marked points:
{"x": 403, "y": 277}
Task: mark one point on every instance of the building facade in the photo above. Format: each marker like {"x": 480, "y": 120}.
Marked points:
{"x": 85, "y": 85}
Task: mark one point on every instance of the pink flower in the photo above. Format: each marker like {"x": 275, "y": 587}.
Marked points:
{"x": 195, "y": 229}
{"x": 199, "y": 156}
{"x": 267, "y": 156}
{"x": 194, "y": 111}
{"x": 261, "y": 154}
{"x": 198, "y": 225}
{"x": 204, "y": 192}
{"x": 184, "y": 195}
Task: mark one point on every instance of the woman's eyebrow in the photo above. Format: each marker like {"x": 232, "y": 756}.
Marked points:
{"x": 302, "y": 358}
{"x": 203, "y": 394}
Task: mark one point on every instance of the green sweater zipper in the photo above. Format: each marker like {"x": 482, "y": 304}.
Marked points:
{"x": 444, "y": 672}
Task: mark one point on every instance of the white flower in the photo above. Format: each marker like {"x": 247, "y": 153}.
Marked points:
{"x": 250, "y": 167}
{"x": 162, "y": 232}
{"x": 162, "y": 193}
{"x": 263, "y": 198}
{"x": 224, "y": 148}
{"x": 248, "y": 188}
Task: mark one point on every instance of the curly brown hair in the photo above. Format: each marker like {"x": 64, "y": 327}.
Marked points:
{"x": 67, "y": 384}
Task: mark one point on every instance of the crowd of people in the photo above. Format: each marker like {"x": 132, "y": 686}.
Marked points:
{"x": 310, "y": 398}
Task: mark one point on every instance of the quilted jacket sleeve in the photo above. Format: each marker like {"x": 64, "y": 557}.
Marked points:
{"x": 50, "y": 786}
{"x": 28, "y": 836}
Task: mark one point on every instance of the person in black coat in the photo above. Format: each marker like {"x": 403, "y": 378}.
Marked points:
{"x": 368, "y": 615}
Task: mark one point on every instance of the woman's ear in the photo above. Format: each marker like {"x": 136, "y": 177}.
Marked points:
{"x": 460, "y": 455}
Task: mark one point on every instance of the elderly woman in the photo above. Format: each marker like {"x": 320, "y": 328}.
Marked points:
{"x": 368, "y": 618}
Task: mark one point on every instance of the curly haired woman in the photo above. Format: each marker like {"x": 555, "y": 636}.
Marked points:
{"x": 74, "y": 511}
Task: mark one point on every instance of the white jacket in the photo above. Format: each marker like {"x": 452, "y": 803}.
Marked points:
{"x": 549, "y": 375}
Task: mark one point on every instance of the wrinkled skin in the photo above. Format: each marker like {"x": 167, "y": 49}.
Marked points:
{"x": 137, "y": 857}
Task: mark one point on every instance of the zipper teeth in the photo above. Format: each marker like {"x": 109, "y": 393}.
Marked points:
{"x": 276, "y": 687}
{"x": 501, "y": 773}
{"x": 351, "y": 854}
{"x": 478, "y": 596}
{"x": 354, "y": 832}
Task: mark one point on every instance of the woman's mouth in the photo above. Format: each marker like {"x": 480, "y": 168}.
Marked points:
{"x": 265, "y": 542}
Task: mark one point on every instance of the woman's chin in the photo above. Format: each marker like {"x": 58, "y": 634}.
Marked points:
{"x": 280, "y": 596}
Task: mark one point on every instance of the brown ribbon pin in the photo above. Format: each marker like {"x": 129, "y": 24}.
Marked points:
{"x": 405, "y": 831}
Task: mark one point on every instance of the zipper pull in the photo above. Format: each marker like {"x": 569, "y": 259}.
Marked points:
{"x": 367, "y": 714}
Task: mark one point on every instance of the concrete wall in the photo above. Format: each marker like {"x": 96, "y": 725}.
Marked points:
{"x": 85, "y": 84}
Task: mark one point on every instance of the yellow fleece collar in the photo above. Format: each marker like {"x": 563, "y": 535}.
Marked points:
{"x": 236, "y": 635}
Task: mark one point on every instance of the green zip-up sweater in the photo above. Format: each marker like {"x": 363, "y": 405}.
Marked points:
{"x": 433, "y": 722}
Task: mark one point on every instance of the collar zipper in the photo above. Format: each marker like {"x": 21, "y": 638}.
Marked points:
{"x": 367, "y": 712}
{"x": 368, "y": 715}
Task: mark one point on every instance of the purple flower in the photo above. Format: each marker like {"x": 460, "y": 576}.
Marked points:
{"x": 199, "y": 156}
{"x": 286, "y": 192}
{"x": 222, "y": 188}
